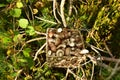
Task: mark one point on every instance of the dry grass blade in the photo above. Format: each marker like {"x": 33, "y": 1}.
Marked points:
{"x": 48, "y": 21}
{"x": 62, "y": 12}
{"x": 54, "y": 10}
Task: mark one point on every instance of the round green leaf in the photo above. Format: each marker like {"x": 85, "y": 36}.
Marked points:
{"x": 19, "y": 4}
{"x": 30, "y": 30}
{"x": 15, "y": 12}
{"x": 23, "y": 23}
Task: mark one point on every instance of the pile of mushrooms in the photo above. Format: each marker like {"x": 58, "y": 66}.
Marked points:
{"x": 65, "y": 47}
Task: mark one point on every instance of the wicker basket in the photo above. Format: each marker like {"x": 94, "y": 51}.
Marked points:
{"x": 64, "y": 48}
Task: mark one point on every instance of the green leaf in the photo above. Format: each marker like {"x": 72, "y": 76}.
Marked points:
{"x": 48, "y": 73}
{"x": 19, "y": 4}
{"x": 23, "y": 23}
{"x": 42, "y": 78}
{"x": 84, "y": 17}
{"x": 6, "y": 40}
{"x": 17, "y": 38}
{"x": 13, "y": 74}
{"x": 28, "y": 77}
{"x": 30, "y": 62}
{"x": 9, "y": 1}
{"x": 26, "y": 52}
{"x": 22, "y": 60}
{"x": 15, "y": 12}
{"x": 30, "y": 30}
{"x": 2, "y": 5}
{"x": 45, "y": 67}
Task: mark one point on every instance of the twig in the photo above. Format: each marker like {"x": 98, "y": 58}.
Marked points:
{"x": 109, "y": 52}
{"x": 82, "y": 2}
{"x": 92, "y": 71}
{"x": 114, "y": 71}
{"x": 67, "y": 73}
{"x": 62, "y": 12}
{"x": 92, "y": 34}
{"x": 118, "y": 69}
{"x": 54, "y": 10}
{"x": 40, "y": 33}
{"x": 21, "y": 48}
{"x": 35, "y": 39}
{"x": 94, "y": 48}
{"x": 75, "y": 10}
{"x": 109, "y": 59}
{"x": 105, "y": 66}
{"x": 75, "y": 76}
{"x": 86, "y": 63}
{"x": 36, "y": 54}
{"x": 48, "y": 21}
{"x": 18, "y": 73}
{"x": 84, "y": 75}
{"x": 43, "y": 64}
{"x": 70, "y": 8}
{"x": 27, "y": 12}
{"x": 31, "y": 14}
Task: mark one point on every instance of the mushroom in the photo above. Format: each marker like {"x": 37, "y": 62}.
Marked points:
{"x": 60, "y": 53}
{"x": 72, "y": 44}
{"x": 67, "y": 51}
{"x": 73, "y": 60}
{"x": 50, "y": 40}
{"x": 56, "y": 35}
{"x": 52, "y": 47}
{"x": 72, "y": 39}
{"x": 57, "y": 41}
{"x": 84, "y": 51}
{"x": 59, "y": 35}
{"x": 79, "y": 45}
{"x": 59, "y": 30}
{"x": 73, "y": 48}
{"x": 77, "y": 38}
{"x": 61, "y": 46}
{"x": 66, "y": 33}
{"x": 51, "y": 32}
{"x": 49, "y": 53}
